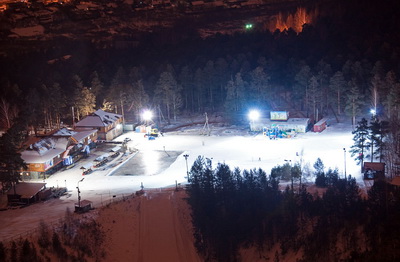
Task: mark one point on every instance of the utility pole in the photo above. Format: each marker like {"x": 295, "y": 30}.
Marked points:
{"x": 187, "y": 168}
{"x": 206, "y": 126}
{"x": 79, "y": 193}
{"x": 345, "y": 175}
{"x": 73, "y": 117}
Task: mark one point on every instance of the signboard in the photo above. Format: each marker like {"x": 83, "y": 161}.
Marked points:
{"x": 36, "y": 167}
{"x": 48, "y": 164}
{"x": 279, "y": 115}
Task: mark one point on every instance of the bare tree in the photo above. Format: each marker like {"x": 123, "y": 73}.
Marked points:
{"x": 8, "y": 113}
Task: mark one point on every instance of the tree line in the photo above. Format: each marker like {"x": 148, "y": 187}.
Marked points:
{"x": 331, "y": 67}
{"x": 234, "y": 209}
{"x": 376, "y": 140}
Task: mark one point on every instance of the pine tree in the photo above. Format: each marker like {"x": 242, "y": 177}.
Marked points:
{"x": 168, "y": 93}
{"x": 26, "y": 252}
{"x": 295, "y": 173}
{"x": 320, "y": 178}
{"x": 185, "y": 79}
{"x": 338, "y": 84}
{"x": 378, "y": 131}
{"x": 8, "y": 113}
{"x": 353, "y": 102}
{"x": 360, "y": 138}
{"x": 117, "y": 96}
{"x": 97, "y": 88}
{"x": 44, "y": 235}
{"x": 10, "y": 159}
{"x": 3, "y": 252}
{"x": 221, "y": 78}
{"x": 392, "y": 100}
{"x": 235, "y": 94}
{"x": 209, "y": 74}
{"x": 13, "y": 252}
{"x": 85, "y": 102}
{"x": 259, "y": 86}
{"x": 314, "y": 96}
{"x": 300, "y": 89}
{"x": 198, "y": 90}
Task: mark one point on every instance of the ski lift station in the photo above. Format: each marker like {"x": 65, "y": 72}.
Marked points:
{"x": 279, "y": 124}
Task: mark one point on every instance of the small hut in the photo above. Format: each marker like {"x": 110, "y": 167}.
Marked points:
{"x": 28, "y": 193}
{"x": 374, "y": 170}
{"x": 83, "y": 206}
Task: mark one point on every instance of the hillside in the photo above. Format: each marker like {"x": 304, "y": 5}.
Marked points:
{"x": 153, "y": 227}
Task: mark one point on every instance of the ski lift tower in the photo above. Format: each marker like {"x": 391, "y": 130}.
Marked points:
{"x": 206, "y": 127}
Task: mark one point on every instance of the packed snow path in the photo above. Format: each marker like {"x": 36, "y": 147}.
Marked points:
{"x": 162, "y": 237}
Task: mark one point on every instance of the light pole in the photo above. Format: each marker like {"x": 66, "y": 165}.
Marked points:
{"x": 345, "y": 175}
{"x": 187, "y": 168}
{"x": 79, "y": 193}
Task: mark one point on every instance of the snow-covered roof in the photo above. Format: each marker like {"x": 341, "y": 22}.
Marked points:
{"x": 90, "y": 121}
{"x": 45, "y": 149}
{"x": 28, "y": 31}
{"x": 64, "y": 132}
{"x": 106, "y": 116}
{"x": 27, "y": 190}
{"x": 31, "y": 156}
{"x": 81, "y": 134}
{"x": 298, "y": 121}
{"x": 99, "y": 118}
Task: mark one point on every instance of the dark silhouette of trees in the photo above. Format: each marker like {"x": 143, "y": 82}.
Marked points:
{"x": 233, "y": 209}
{"x": 11, "y": 162}
{"x": 226, "y": 73}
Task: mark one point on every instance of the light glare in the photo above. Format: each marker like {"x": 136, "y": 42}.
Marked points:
{"x": 147, "y": 115}
{"x": 254, "y": 115}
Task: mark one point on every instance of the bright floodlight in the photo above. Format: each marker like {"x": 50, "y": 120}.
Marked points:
{"x": 373, "y": 112}
{"x": 147, "y": 115}
{"x": 254, "y": 115}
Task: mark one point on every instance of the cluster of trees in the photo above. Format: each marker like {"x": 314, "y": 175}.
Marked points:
{"x": 10, "y": 158}
{"x": 334, "y": 65}
{"x": 232, "y": 209}
{"x": 75, "y": 240}
{"x": 376, "y": 140}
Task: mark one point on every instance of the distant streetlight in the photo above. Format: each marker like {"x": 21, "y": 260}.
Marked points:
{"x": 187, "y": 168}
{"x": 254, "y": 115}
{"x": 79, "y": 193}
{"x": 373, "y": 112}
{"x": 345, "y": 175}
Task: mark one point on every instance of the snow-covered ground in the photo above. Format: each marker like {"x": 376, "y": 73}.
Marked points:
{"x": 245, "y": 152}
{"x": 237, "y": 149}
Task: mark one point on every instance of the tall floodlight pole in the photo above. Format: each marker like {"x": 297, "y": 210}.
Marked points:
{"x": 79, "y": 193}
{"x": 187, "y": 168}
{"x": 345, "y": 175}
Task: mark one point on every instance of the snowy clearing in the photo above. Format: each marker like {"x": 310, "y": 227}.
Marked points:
{"x": 243, "y": 151}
